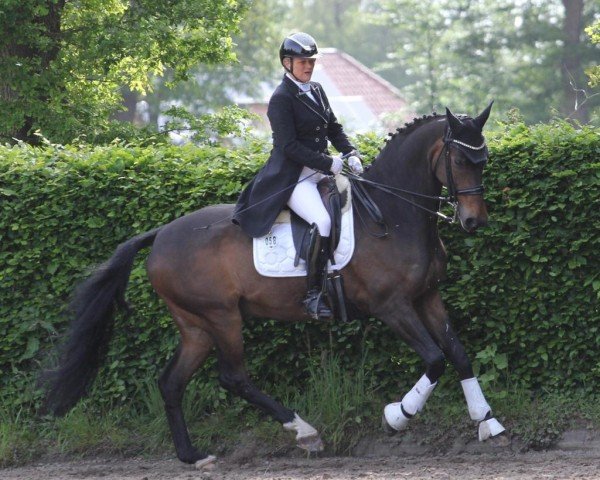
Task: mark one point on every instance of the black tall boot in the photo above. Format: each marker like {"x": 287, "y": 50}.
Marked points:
{"x": 316, "y": 274}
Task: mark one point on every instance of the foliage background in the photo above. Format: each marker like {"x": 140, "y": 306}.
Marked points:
{"x": 64, "y": 65}
{"x": 75, "y": 69}
{"x": 523, "y": 292}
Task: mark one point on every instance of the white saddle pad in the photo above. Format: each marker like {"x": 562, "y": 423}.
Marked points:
{"x": 274, "y": 253}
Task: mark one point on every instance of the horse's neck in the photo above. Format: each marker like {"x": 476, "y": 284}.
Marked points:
{"x": 406, "y": 168}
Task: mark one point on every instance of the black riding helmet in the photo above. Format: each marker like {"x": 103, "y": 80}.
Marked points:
{"x": 298, "y": 45}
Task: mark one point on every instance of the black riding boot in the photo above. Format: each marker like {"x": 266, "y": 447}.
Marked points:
{"x": 316, "y": 273}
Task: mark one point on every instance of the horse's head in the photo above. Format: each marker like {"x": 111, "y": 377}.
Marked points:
{"x": 463, "y": 158}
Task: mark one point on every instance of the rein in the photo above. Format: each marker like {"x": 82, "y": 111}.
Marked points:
{"x": 372, "y": 208}
{"x": 451, "y": 199}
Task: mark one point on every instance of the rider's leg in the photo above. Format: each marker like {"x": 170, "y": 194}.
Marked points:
{"x": 306, "y": 202}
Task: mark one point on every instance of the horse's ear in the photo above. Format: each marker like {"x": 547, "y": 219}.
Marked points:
{"x": 483, "y": 116}
{"x": 453, "y": 122}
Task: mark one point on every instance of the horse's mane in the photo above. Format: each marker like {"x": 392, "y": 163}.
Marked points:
{"x": 398, "y": 137}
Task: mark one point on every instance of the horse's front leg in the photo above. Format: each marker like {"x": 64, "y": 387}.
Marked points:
{"x": 234, "y": 378}
{"x": 435, "y": 317}
{"x": 402, "y": 318}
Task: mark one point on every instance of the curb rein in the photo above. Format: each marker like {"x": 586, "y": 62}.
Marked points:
{"x": 451, "y": 199}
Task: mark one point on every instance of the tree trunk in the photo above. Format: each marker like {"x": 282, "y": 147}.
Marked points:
{"x": 15, "y": 50}
{"x": 130, "y": 100}
{"x": 573, "y": 78}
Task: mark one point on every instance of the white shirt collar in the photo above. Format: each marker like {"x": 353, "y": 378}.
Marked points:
{"x": 305, "y": 87}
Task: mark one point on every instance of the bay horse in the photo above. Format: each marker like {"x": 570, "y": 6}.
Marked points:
{"x": 202, "y": 267}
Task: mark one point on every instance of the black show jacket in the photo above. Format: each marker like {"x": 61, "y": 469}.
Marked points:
{"x": 301, "y": 129}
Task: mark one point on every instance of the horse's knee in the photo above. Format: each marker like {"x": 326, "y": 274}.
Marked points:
{"x": 169, "y": 385}
{"x": 435, "y": 368}
{"x": 171, "y": 392}
{"x": 236, "y": 383}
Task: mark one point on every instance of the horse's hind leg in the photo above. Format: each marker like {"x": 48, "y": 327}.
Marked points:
{"x": 194, "y": 347}
{"x": 233, "y": 377}
{"x": 436, "y": 319}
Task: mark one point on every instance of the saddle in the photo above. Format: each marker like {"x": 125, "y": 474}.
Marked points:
{"x": 335, "y": 194}
{"x": 281, "y": 252}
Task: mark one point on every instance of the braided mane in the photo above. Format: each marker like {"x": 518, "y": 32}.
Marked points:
{"x": 402, "y": 133}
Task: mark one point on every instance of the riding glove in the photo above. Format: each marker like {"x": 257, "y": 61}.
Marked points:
{"x": 355, "y": 164}
{"x": 336, "y": 165}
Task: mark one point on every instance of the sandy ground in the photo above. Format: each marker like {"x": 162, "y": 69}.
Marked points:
{"x": 563, "y": 465}
{"x": 575, "y": 456}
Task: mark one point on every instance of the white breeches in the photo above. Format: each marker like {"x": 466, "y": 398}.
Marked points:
{"x": 306, "y": 202}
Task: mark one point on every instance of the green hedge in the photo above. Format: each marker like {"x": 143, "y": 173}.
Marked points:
{"x": 523, "y": 293}
{"x": 526, "y": 289}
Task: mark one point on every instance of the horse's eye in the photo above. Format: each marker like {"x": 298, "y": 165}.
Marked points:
{"x": 459, "y": 160}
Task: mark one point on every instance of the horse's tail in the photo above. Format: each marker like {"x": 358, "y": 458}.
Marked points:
{"x": 91, "y": 328}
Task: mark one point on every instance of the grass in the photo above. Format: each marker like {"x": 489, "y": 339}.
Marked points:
{"x": 343, "y": 404}
{"x": 337, "y": 400}
{"x": 18, "y": 440}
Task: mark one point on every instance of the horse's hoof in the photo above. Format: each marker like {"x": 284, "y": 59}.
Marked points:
{"x": 387, "y": 428}
{"x": 207, "y": 463}
{"x": 489, "y": 428}
{"x": 312, "y": 443}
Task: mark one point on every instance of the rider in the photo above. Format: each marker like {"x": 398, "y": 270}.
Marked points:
{"x": 302, "y": 122}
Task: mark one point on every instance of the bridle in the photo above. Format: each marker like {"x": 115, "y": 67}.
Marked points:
{"x": 453, "y": 192}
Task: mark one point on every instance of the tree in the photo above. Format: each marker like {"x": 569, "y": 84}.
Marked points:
{"x": 594, "y": 72}
{"x": 521, "y": 52}
{"x": 528, "y": 54}
{"x": 211, "y": 86}
{"x": 572, "y": 71}
{"x": 63, "y": 63}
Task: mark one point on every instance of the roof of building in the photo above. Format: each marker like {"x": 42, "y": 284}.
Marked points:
{"x": 358, "y": 96}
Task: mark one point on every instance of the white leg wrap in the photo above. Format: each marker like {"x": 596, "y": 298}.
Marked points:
{"x": 396, "y": 413}
{"x": 394, "y": 416}
{"x": 489, "y": 428}
{"x": 478, "y": 406}
{"x": 302, "y": 428}
{"x": 415, "y": 399}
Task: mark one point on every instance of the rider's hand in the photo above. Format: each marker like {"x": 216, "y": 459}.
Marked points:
{"x": 355, "y": 164}
{"x": 336, "y": 165}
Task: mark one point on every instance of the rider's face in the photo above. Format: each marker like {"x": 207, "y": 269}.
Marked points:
{"x": 302, "y": 68}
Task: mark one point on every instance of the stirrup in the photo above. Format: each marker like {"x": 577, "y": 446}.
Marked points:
{"x": 315, "y": 306}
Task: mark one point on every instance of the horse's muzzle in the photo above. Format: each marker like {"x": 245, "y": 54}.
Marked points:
{"x": 472, "y": 223}
{"x": 472, "y": 215}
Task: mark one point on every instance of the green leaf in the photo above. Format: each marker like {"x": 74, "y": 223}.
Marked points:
{"x": 33, "y": 345}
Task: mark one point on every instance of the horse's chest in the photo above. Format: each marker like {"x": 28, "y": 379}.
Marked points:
{"x": 436, "y": 270}
{"x": 425, "y": 271}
